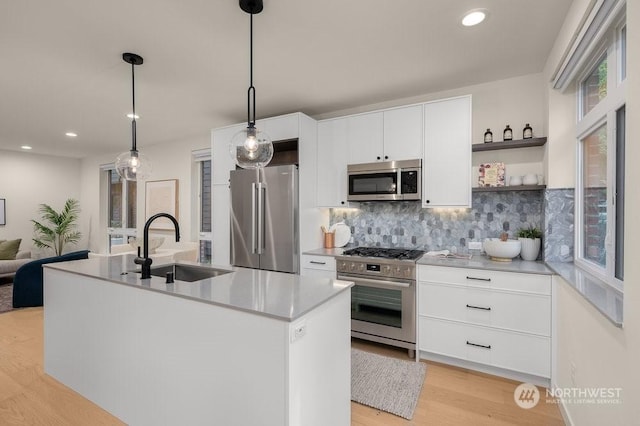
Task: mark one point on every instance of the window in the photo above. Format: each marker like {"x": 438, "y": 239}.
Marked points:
{"x": 203, "y": 162}
{"x": 594, "y": 196}
{"x": 122, "y": 209}
{"x": 594, "y": 87}
{"x": 601, "y": 161}
{"x": 623, "y": 52}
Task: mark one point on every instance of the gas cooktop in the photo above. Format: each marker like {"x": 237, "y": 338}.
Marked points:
{"x": 386, "y": 253}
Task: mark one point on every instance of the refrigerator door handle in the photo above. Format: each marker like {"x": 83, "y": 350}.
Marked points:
{"x": 264, "y": 218}
{"x": 260, "y": 214}
{"x": 254, "y": 192}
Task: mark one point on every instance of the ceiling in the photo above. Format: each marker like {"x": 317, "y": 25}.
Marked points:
{"x": 62, "y": 68}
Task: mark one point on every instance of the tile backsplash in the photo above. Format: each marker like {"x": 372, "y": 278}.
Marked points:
{"x": 559, "y": 225}
{"x": 407, "y": 224}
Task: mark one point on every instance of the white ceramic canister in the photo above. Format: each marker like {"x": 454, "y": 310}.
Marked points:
{"x": 515, "y": 180}
{"x": 530, "y": 179}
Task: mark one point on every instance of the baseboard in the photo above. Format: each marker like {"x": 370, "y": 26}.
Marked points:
{"x": 566, "y": 416}
{"x": 495, "y": 371}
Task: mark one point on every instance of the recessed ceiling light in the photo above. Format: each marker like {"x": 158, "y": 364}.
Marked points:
{"x": 132, "y": 116}
{"x": 474, "y": 17}
{"x": 26, "y": 147}
{"x": 71, "y": 134}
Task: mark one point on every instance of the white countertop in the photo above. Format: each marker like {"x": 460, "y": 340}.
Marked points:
{"x": 605, "y": 298}
{"x": 483, "y": 262}
{"x": 478, "y": 261}
{"x": 335, "y": 251}
{"x": 274, "y": 294}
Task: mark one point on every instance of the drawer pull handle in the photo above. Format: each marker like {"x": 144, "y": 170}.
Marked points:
{"x": 315, "y": 262}
{"x": 478, "y": 345}
{"x": 478, "y": 307}
{"x": 478, "y": 279}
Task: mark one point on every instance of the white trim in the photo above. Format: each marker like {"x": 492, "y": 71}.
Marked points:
{"x": 620, "y": 26}
{"x": 201, "y": 154}
{"x": 105, "y": 167}
{"x": 604, "y": 113}
{"x": 591, "y": 31}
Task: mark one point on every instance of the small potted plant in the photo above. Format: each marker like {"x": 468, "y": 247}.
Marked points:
{"x": 530, "y": 242}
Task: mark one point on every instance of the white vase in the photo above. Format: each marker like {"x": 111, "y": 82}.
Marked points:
{"x": 530, "y": 248}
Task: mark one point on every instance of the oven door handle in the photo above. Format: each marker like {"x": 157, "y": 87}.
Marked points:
{"x": 376, "y": 283}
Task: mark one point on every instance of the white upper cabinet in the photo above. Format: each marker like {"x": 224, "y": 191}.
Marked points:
{"x": 446, "y": 168}
{"x": 222, "y": 163}
{"x": 394, "y": 134}
{"x": 364, "y": 138}
{"x": 281, "y": 128}
{"x": 403, "y": 133}
{"x": 332, "y": 163}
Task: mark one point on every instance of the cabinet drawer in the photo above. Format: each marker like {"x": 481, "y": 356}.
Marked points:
{"x": 511, "y": 281}
{"x": 317, "y": 273}
{"x": 529, "y": 313}
{"x": 525, "y": 353}
{"x": 326, "y": 263}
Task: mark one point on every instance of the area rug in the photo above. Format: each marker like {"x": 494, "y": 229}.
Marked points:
{"x": 388, "y": 384}
{"x": 6, "y": 296}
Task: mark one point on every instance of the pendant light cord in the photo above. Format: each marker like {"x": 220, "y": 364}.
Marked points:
{"x": 133, "y": 97}
{"x": 251, "y": 93}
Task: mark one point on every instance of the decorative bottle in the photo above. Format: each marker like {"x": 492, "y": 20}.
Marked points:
{"x": 527, "y": 132}
{"x": 488, "y": 136}
{"x": 507, "y": 135}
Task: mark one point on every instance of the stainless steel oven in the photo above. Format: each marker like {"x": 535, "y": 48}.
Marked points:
{"x": 383, "y": 299}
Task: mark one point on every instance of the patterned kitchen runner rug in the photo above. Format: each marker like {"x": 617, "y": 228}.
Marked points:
{"x": 388, "y": 384}
{"x": 6, "y": 297}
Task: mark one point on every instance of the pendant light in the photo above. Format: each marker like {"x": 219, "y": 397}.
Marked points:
{"x": 131, "y": 165}
{"x": 251, "y": 148}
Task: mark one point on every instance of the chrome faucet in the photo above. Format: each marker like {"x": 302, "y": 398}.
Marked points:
{"x": 146, "y": 261}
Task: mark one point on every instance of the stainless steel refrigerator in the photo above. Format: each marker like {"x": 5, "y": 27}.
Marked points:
{"x": 264, "y": 218}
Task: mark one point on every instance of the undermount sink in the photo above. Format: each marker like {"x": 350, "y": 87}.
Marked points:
{"x": 188, "y": 273}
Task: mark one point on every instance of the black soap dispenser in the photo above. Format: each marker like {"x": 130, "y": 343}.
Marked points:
{"x": 488, "y": 136}
{"x": 527, "y": 132}
{"x": 507, "y": 135}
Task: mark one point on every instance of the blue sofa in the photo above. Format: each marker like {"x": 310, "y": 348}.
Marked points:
{"x": 27, "y": 283}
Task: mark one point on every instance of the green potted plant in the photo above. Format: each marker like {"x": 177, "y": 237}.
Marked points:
{"x": 530, "y": 242}
{"x": 60, "y": 229}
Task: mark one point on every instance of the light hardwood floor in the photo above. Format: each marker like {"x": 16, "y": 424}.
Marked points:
{"x": 450, "y": 396}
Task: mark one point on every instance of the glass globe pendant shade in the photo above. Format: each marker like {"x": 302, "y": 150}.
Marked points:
{"x": 251, "y": 148}
{"x": 131, "y": 165}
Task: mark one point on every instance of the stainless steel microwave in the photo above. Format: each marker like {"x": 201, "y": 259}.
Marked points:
{"x": 385, "y": 181}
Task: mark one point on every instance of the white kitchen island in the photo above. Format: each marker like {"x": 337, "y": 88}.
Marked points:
{"x": 245, "y": 348}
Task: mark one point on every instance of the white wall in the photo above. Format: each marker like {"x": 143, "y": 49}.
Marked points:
{"x": 604, "y": 355}
{"x": 514, "y": 101}
{"x": 28, "y": 180}
{"x": 561, "y": 149}
{"x": 170, "y": 161}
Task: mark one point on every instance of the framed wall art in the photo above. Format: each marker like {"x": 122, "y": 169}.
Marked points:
{"x": 491, "y": 174}
{"x": 161, "y": 196}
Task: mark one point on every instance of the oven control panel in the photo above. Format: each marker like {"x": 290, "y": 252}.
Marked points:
{"x": 404, "y": 270}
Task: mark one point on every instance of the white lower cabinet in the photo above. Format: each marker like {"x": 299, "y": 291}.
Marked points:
{"x": 317, "y": 266}
{"x": 493, "y": 319}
